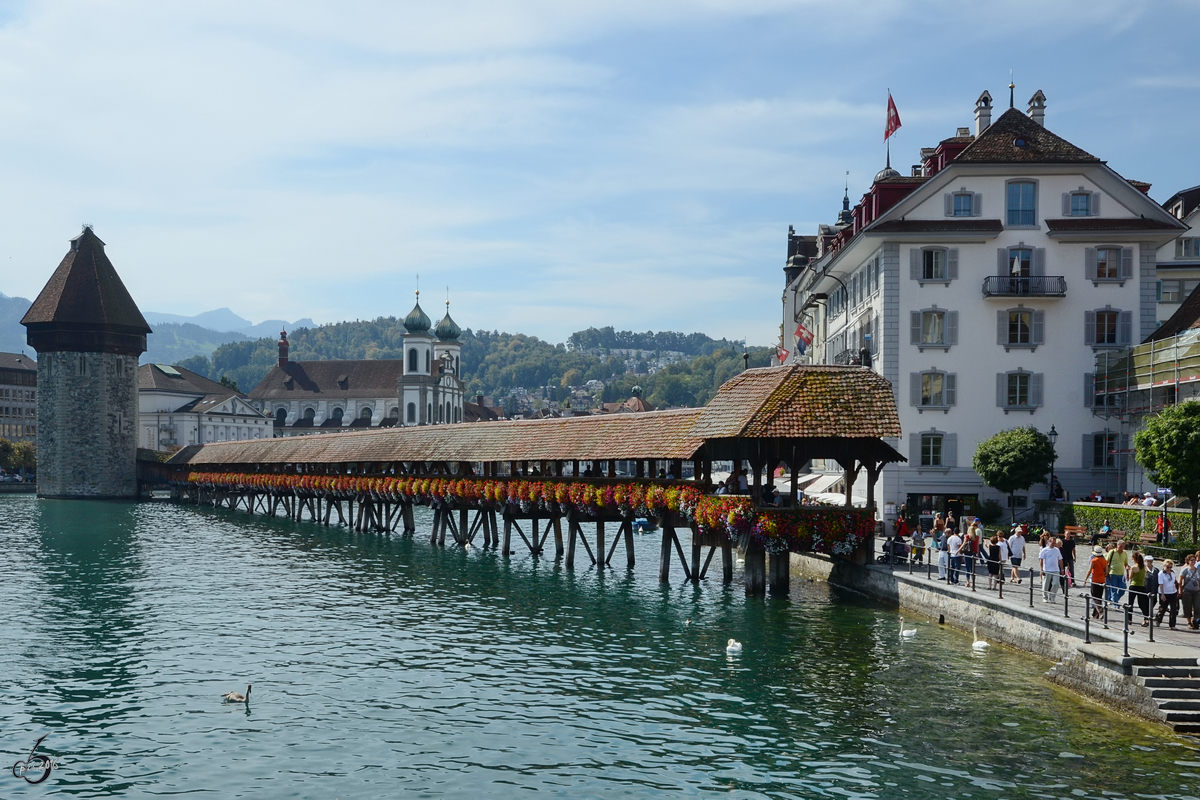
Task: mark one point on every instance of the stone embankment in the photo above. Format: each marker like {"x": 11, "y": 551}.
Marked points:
{"x": 1158, "y": 681}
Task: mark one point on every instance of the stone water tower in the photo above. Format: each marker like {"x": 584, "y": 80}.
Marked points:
{"x": 88, "y": 334}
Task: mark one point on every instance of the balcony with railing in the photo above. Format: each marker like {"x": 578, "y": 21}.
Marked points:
{"x": 1032, "y": 286}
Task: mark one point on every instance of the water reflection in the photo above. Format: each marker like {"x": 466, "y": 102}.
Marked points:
{"x": 382, "y": 664}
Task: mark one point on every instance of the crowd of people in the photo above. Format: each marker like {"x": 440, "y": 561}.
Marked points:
{"x": 1114, "y": 574}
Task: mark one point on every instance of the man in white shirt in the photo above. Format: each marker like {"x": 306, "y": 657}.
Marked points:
{"x": 954, "y": 543}
{"x": 1051, "y": 559}
{"x": 1016, "y": 552}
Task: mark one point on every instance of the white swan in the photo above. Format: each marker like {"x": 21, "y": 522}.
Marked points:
{"x": 733, "y": 646}
{"x": 978, "y": 644}
{"x": 237, "y": 697}
{"x": 906, "y": 633}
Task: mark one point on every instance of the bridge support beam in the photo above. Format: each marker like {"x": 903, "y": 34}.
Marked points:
{"x": 780, "y": 574}
{"x": 755, "y": 569}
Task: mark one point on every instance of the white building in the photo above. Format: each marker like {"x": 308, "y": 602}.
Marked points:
{"x": 982, "y": 285}
{"x": 177, "y": 407}
{"x": 18, "y": 397}
{"x": 1179, "y": 260}
{"x": 422, "y": 388}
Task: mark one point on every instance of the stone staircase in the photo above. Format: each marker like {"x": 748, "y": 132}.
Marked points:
{"x": 1174, "y": 684}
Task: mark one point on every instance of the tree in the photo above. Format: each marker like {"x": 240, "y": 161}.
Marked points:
{"x": 1013, "y": 460}
{"x": 229, "y": 383}
{"x": 1169, "y": 448}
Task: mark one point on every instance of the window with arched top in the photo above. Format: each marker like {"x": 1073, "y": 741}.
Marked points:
{"x": 427, "y": 361}
{"x": 366, "y": 413}
{"x": 412, "y": 412}
{"x": 429, "y": 411}
{"x": 395, "y": 412}
{"x": 336, "y": 413}
{"x": 280, "y": 416}
{"x": 310, "y": 413}
{"x": 457, "y": 414}
{"x": 412, "y": 360}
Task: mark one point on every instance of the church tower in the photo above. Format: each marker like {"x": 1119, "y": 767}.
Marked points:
{"x": 88, "y": 334}
{"x": 416, "y": 385}
{"x": 447, "y": 353}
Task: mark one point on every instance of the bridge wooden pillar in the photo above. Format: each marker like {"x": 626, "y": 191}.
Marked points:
{"x": 780, "y": 574}
{"x": 629, "y": 544}
{"x": 695, "y": 557}
{"x": 612, "y": 469}
{"x": 571, "y": 528}
{"x": 726, "y": 561}
{"x": 437, "y": 523}
{"x": 664, "y": 555}
{"x": 507, "y": 550}
{"x": 558, "y": 537}
{"x": 600, "y": 551}
{"x": 755, "y": 569}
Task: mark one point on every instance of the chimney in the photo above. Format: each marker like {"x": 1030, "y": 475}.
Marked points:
{"x": 1037, "y": 108}
{"x": 479, "y": 400}
{"x": 983, "y": 112}
{"x": 283, "y": 350}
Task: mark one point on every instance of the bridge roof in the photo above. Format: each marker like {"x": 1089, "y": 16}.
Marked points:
{"x": 655, "y": 434}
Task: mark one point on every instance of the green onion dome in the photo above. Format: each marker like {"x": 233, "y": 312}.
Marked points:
{"x": 417, "y": 321}
{"x": 447, "y": 330}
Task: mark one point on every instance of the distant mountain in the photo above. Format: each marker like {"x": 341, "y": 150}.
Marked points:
{"x": 171, "y": 342}
{"x": 12, "y": 333}
{"x": 222, "y": 319}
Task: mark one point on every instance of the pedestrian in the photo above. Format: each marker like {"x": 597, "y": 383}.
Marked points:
{"x": 1118, "y": 565}
{"x": 1097, "y": 575}
{"x": 939, "y": 540}
{"x": 1189, "y": 592}
{"x": 1016, "y": 552}
{"x": 1067, "y": 547}
{"x": 1102, "y": 534}
{"x": 971, "y": 545}
{"x": 994, "y": 564}
{"x": 901, "y": 528}
{"x": 1137, "y": 587}
{"x": 954, "y": 544}
{"x": 1051, "y": 563}
{"x": 1151, "y": 584}
{"x": 918, "y": 545}
{"x": 1168, "y": 593}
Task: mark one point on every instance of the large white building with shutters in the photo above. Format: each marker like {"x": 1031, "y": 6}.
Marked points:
{"x": 982, "y": 285}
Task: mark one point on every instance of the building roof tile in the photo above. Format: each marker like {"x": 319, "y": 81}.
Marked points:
{"x": 337, "y": 379}
{"x": 997, "y": 144}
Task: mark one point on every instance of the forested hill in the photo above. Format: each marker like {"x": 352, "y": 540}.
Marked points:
{"x": 692, "y": 344}
{"x": 494, "y": 363}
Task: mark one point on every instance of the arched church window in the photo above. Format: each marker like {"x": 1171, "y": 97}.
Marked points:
{"x": 412, "y": 410}
{"x": 413, "y": 364}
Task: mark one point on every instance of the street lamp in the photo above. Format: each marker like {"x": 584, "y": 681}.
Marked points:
{"x": 1053, "y": 437}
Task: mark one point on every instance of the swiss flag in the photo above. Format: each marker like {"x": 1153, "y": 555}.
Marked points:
{"x": 893, "y": 118}
{"x": 803, "y": 334}
{"x": 783, "y": 355}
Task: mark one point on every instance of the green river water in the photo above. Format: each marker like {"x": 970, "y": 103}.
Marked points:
{"x": 384, "y": 667}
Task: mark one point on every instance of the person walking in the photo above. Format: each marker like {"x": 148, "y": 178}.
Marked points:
{"x": 918, "y": 545}
{"x": 1151, "y": 584}
{"x": 994, "y": 564}
{"x": 1051, "y": 564}
{"x": 1168, "y": 593}
{"x": 1016, "y": 552}
{"x": 971, "y": 546}
{"x": 1189, "y": 592}
{"x": 1097, "y": 575}
{"x": 943, "y": 556}
{"x": 1067, "y": 547}
{"x": 1118, "y": 565}
{"x": 1137, "y": 587}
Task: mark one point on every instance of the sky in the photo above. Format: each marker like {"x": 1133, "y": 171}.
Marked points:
{"x": 556, "y": 165}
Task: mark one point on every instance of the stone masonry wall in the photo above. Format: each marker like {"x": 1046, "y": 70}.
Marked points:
{"x": 87, "y": 425}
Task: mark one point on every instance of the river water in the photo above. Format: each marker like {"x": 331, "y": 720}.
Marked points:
{"x": 382, "y": 665}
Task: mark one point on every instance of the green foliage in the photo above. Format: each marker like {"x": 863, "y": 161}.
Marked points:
{"x": 172, "y": 342}
{"x": 1168, "y": 446}
{"x": 990, "y": 512}
{"x": 692, "y": 344}
{"x": 1014, "y": 459}
{"x": 17, "y": 455}
{"x": 495, "y": 363}
{"x": 229, "y": 383}
{"x": 197, "y": 364}
{"x": 1127, "y": 520}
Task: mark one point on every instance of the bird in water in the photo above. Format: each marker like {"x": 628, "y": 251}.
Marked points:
{"x": 906, "y": 633}
{"x": 238, "y": 697}
{"x": 733, "y": 647}
{"x": 978, "y": 644}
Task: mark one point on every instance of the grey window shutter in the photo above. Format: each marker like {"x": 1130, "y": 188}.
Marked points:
{"x": 950, "y": 450}
{"x": 1035, "y": 389}
{"x": 951, "y": 327}
{"x": 1089, "y": 263}
{"x": 1001, "y": 389}
{"x": 914, "y": 380}
{"x": 976, "y": 205}
{"x": 914, "y": 449}
{"x": 1089, "y": 327}
{"x": 952, "y": 263}
{"x": 914, "y": 264}
{"x": 1126, "y": 262}
{"x": 1001, "y": 327}
{"x": 1038, "y": 334}
{"x": 1089, "y": 389}
{"x": 1125, "y": 327}
{"x": 1002, "y": 268}
{"x": 949, "y": 204}
{"x": 1038, "y": 267}
{"x": 1089, "y": 450}
{"x": 1066, "y": 204}
{"x": 915, "y": 318}
{"x": 1095, "y": 204}
{"x": 950, "y": 389}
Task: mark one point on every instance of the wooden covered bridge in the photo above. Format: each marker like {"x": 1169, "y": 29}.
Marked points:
{"x": 539, "y": 477}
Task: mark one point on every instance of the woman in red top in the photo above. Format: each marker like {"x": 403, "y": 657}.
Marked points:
{"x": 1098, "y": 575}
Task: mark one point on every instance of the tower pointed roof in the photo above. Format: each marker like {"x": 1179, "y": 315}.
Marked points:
{"x": 447, "y": 330}
{"x": 85, "y": 306}
{"x": 417, "y": 320}
{"x": 1015, "y": 138}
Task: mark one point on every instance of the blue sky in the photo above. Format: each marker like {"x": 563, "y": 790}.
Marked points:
{"x": 556, "y": 164}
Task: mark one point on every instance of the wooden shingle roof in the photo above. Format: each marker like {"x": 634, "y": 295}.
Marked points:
{"x": 802, "y": 402}
{"x": 998, "y": 144}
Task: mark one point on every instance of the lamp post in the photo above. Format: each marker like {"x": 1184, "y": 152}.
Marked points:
{"x": 1053, "y": 437}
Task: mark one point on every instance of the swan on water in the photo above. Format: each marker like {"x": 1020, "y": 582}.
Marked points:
{"x": 238, "y": 697}
{"x": 978, "y": 644}
{"x": 733, "y": 646}
{"x": 906, "y": 633}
